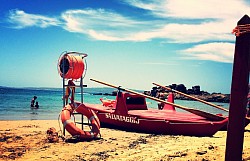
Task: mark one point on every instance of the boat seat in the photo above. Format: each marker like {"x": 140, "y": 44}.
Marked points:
{"x": 136, "y": 103}
{"x": 137, "y": 107}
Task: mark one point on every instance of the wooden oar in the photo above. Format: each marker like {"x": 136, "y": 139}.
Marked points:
{"x": 206, "y": 115}
{"x": 195, "y": 98}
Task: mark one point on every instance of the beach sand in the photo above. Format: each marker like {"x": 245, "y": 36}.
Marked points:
{"x": 27, "y": 140}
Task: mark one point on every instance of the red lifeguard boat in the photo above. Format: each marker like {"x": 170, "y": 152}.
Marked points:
{"x": 130, "y": 112}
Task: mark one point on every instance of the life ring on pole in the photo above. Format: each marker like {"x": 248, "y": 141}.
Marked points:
{"x": 71, "y": 66}
{"x": 73, "y": 129}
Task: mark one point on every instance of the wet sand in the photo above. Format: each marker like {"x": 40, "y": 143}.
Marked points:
{"x": 27, "y": 141}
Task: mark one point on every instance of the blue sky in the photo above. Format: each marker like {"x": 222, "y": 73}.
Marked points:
{"x": 131, "y": 43}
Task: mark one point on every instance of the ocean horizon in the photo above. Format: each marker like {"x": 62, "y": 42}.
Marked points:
{"x": 15, "y": 102}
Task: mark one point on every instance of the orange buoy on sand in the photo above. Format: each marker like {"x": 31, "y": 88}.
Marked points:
{"x": 71, "y": 66}
{"x": 71, "y": 127}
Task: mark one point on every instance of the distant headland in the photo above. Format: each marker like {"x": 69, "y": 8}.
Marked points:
{"x": 195, "y": 91}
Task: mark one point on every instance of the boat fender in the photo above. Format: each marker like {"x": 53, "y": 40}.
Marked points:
{"x": 107, "y": 102}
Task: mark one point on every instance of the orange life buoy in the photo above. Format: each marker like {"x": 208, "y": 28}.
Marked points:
{"x": 71, "y": 66}
{"x": 71, "y": 127}
{"x": 107, "y": 102}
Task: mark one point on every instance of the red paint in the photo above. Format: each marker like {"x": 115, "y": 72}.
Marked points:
{"x": 170, "y": 99}
{"x": 131, "y": 113}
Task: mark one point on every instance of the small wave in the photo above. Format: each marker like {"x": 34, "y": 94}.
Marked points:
{"x": 79, "y": 93}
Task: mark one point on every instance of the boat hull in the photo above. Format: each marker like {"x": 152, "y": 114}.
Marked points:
{"x": 158, "y": 122}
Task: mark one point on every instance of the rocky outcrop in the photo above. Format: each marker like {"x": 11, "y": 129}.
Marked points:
{"x": 214, "y": 97}
{"x": 194, "y": 91}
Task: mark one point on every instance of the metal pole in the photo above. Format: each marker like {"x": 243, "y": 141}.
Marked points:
{"x": 239, "y": 91}
{"x": 81, "y": 85}
{"x": 63, "y": 87}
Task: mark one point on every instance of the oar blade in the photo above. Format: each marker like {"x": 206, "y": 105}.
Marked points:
{"x": 206, "y": 115}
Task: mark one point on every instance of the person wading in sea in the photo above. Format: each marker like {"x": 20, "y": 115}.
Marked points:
{"x": 37, "y": 105}
{"x": 32, "y": 103}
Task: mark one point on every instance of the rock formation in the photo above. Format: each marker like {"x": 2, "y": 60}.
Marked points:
{"x": 195, "y": 92}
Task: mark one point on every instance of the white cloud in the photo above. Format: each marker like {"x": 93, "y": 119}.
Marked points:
{"x": 214, "y": 21}
{"x": 219, "y": 52}
{"x": 194, "y": 9}
{"x": 211, "y": 21}
{"x": 21, "y": 20}
{"x": 190, "y": 33}
{"x": 174, "y": 21}
{"x": 101, "y": 24}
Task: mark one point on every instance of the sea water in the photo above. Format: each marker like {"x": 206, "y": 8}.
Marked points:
{"x": 15, "y": 102}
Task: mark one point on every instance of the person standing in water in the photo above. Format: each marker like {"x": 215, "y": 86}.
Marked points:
{"x": 37, "y": 105}
{"x": 32, "y": 103}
